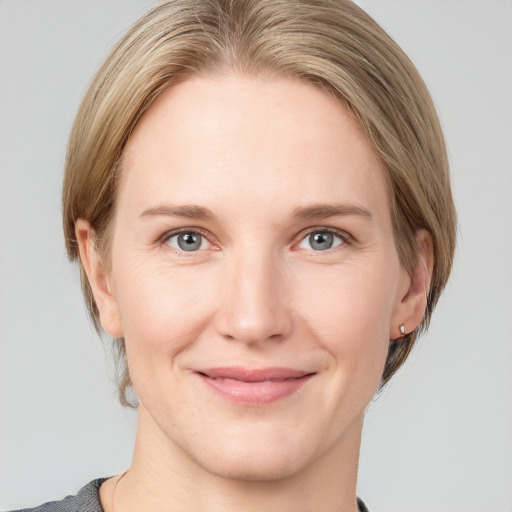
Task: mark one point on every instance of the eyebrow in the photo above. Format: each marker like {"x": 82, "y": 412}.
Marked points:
{"x": 324, "y": 211}
{"x": 319, "y": 211}
{"x": 187, "y": 211}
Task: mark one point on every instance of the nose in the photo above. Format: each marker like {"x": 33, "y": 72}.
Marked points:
{"x": 255, "y": 305}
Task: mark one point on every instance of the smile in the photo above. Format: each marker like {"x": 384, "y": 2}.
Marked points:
{"x": 254, "y": 387}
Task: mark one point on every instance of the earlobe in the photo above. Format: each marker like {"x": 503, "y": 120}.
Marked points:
{"x": 99, "y": 279}
{"x": 410, "y": 309}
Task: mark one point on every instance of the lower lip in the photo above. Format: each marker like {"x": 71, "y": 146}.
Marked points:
{"x": 255, "y": 393}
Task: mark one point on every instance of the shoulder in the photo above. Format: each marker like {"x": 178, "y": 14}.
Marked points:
{"x": 87, "y": 500}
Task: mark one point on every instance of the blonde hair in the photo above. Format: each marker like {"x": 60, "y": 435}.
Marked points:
{"x": 330, "y": 43}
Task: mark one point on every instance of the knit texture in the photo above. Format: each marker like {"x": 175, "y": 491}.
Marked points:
{"x": 88, "y": 500}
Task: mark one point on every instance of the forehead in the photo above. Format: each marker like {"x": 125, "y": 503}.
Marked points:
{"x": 268, "y": 139}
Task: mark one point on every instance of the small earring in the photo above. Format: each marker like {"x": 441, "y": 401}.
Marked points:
{"x": 402, "y": 329}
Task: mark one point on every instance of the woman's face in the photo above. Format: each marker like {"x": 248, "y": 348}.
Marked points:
{"x": 254, "y": 274}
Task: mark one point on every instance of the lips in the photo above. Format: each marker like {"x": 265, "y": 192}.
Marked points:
{"x": 254, "y": 386}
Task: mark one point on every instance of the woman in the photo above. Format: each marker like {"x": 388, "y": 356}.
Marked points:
{"x": 258, "y": 195}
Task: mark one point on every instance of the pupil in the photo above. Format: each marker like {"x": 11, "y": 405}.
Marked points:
{"x": 189, "y": 241}
{"x": 321, "y": 241}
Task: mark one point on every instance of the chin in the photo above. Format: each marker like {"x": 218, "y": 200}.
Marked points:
{"x": 256, "y": 456}
{"x": 255, "y": 468}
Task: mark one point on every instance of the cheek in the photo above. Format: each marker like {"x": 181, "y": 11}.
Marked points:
{"x": 162, "y": 310}
{"x": 348, "y": 311}
{"x": 348, "y": 301}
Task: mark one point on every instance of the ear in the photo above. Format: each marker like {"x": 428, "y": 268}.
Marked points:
{"x": 412, "y": 301}
{"x": 98, "y": 279}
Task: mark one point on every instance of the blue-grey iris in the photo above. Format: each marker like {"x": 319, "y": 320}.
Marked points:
{"x": 321, "y": 241}
{"x": 189, "y": 241}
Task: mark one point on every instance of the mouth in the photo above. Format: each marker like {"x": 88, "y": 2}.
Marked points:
{"x": 254, "y": 386}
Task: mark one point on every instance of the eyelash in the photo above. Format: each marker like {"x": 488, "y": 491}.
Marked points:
{"x": 346, "y": 238}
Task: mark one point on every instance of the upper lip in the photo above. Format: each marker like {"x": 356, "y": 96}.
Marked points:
{"x": 253, "y": 375}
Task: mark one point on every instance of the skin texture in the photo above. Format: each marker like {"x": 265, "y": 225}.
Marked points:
{"x": 256, "y": 294}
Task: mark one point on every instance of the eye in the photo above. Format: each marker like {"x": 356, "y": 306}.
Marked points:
{"x": 321, "y": 240}
{"x": 188, "y": 241}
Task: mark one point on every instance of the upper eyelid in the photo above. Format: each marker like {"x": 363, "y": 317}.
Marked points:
{"x": 173, "y": 232}
{"x": 344, "y": 235}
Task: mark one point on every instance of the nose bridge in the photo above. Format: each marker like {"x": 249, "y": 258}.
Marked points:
{"x": 255, "y": 304}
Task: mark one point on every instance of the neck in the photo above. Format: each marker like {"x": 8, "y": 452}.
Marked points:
{"x": 163, "y": 474}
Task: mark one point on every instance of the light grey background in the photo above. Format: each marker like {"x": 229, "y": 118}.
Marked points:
{"x": 439, "y": 438}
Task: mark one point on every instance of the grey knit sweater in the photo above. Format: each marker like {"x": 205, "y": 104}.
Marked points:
{"x": 88, "y": 500}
